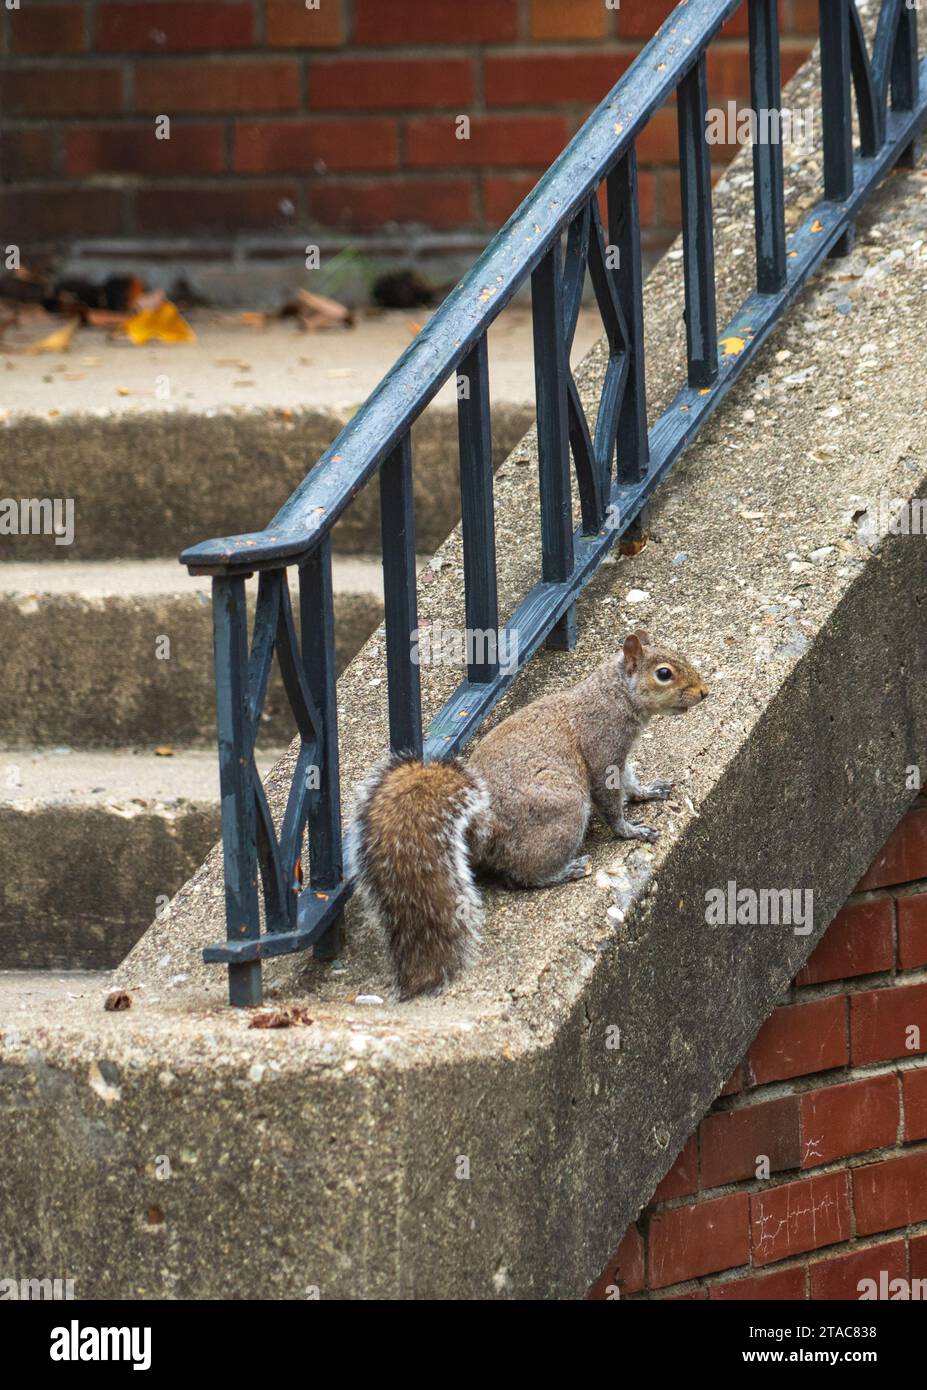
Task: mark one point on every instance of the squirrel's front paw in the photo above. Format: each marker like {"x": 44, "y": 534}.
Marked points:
{"x": 657, "y": 790}
{"x": 635, "y": 830}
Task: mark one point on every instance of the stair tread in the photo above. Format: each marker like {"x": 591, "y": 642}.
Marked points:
{"x": 21, "y": 989}
{"x": 351, "y": 574}
{"x": 112, "y": 777}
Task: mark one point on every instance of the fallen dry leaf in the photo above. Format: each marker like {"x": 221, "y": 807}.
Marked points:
{"x": 117, "y": 1001}
{"x": 318, "y": 311}
{"x": 165, "y": 323}
{"x": 632, "y": 546}
{"x": 59, "y": 341}
{"x": 732, "y": 346}
{"x": 817, "y": 225}
{"x": 164, "y": 750}
{"x": 282, "y": 1018}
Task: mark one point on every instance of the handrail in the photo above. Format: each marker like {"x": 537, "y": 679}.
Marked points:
{"x": 465, "y": 315}
{"x": 377, "y": 439}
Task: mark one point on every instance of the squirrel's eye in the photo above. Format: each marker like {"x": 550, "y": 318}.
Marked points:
{"x": 663, "y": 673}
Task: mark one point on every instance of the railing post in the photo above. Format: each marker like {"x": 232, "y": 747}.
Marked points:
{"x": 768, "y": 188}
{"x": 478, "y": 520}
{"x": 550, "y": 378}
{"x": 904, "y": 77}
{"x": 836, "y": 110}
{"x": 397, "y": 520}
{"x": 697, "y": 231}
{"x": 236, "y": 740}
{"x": 624, "y": 233}
{"x": 317, "y": 648}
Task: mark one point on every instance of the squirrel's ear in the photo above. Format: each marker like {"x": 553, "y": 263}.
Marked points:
{"x": 646, "y": 639}
{"x": 632, "y": 653}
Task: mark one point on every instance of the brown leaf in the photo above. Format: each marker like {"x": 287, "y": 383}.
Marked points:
{"x": 117, "y": 1001}
{"x": 282, "y": 1018}
{"x": 59, "y": 341}
{"x": 632, "y": 545}
{"x": 334, "y": 314}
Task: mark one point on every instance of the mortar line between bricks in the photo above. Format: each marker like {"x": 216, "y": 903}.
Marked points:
{"x": 90, "y": 19}
{"x": 895, "y": 969}
{"x": 804, "y": 1260}
{"x": 847, "y": 1163}
{"x": 889, "y": 978}
{"x": 260, "y": 24}
{"x": 814, "y": 1081}
{"x": 902, "y": 1119}
{"x": 874, "y": 895}
{"x": 522, "y": 22}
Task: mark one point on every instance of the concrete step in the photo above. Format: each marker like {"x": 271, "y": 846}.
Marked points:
{"x": 164, "y": 445}
{"x": 93, "y": 845}
{"x": 100, "y": 653}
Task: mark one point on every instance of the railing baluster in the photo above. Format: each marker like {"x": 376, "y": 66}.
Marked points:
{"x": 236, "y": 740}
{"x": 904, "y": 71}
{"x": 478, "y": 519}
{"x": 317, "y": 650}
{"x": 697, "y": 233}
{"x": 550, "y": 377}
{"x": 904, "y": 78}
{"x": 624, "y": 231}
{"x": 397, "y": 519}
{"x": 836, "y": 110}
{"x": 768, "y": 186}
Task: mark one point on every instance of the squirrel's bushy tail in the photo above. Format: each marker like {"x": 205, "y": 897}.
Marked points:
{"x": 408, "y": 853}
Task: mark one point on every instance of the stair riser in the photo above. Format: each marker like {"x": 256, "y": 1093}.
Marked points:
{"x": 86, "y": 671}
{"x": 80, "y": 884}
{"x": 145, "y": 487}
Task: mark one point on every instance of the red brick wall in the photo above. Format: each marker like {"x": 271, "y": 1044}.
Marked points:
{"x": 341, "y": 117}
{"x": 836, "y": 1098}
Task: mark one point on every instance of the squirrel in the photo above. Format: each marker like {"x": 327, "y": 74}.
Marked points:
{"x": 519, "y": 808}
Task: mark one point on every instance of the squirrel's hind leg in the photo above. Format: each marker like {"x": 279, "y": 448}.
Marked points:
{"x": 575, "y": 869}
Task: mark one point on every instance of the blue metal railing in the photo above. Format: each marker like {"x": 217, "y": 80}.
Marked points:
{"x": 377, "y": 439}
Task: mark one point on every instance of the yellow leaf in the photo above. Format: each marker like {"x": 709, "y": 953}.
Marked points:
{"x": 164, "y": 323}
{"x": 59, "y": 341}
{"x": 732, "y": 346}
{"x": 817, "y": 225}
{"x": 164, "y": 750}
